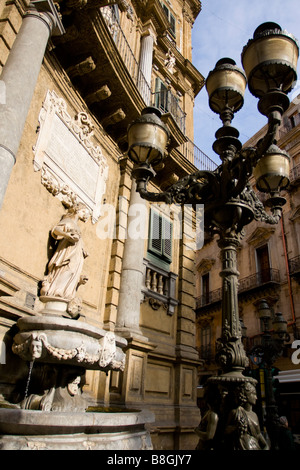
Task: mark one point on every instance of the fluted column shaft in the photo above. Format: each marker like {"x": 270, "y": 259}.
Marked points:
{"x": 19, "y": 77}
{"x": 128, "y": 317}
{"x": 146, "y": 58}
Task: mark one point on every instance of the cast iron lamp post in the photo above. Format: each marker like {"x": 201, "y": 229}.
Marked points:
{"x": 269, "y": 61}
{"x": 270, "y": 349}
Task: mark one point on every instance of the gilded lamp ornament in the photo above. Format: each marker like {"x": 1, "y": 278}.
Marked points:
{"x": 269, "y": 61}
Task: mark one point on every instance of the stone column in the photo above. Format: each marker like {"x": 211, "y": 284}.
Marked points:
{"x": 146, "y": 56}
{"x": 128, "y": 315}
{"x": 19, "y": 76}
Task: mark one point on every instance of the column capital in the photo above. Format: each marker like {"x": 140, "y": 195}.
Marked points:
{"x": 149, "y": 30}
{"x": 46, "y": 11}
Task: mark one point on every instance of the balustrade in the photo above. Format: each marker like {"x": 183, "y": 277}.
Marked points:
{"x": 160, "y": 287}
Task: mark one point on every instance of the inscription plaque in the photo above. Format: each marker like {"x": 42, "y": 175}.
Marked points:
{"x": 73, "y": 168}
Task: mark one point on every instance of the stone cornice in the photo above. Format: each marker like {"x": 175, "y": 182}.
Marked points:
{"x": 191, "y": 9}
{"x": 260, "y": 235}
{"x": 152, "y": 10}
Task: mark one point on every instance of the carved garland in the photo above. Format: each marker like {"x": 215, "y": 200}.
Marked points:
{"x": 105, "y": 356}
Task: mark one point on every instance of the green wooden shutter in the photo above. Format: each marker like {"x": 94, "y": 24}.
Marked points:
{"x": 155, "y": 235}
{"x": 173, "y": 24}
{"x": 171, "y": 19}
{"x": 160, "y": 236}
{"x": 167, "y": 239}
{"x": 161, "y": 96}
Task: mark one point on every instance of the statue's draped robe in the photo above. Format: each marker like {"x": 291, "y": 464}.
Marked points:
{"x": 65, "y": 267}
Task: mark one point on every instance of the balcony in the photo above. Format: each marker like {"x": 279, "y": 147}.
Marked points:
{"x": 211, "y": 298}
{"x": 126, "y": 53}
{"x": 102, "y": 69}
{"x": 295, "y": 175}
{"x": 194, "y": 155}
{"x": 168, "y": 103}
{"x": 159, "y": 288}
{"x": 266, "y": 278}
{"x": 163, "y": 100}
{"x": 262, "y": 279}
{"x": 101, "y": 65}
{"x": 294, "y": 267}
{"x": 206, "y": 353}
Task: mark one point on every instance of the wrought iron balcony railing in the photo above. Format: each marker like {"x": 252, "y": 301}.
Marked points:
{"x": 126, "y": 53}
{"x": 259, "y": 279}
{"x": 255, "y": 281}
{"x": 295, "y": 174}
{"x": 163, "y": 99}
{"x": 193, "y": 154}
{"x": 168, "y": 103}
{"x": 294, "y": 266}
{"x": 210, "y": 298}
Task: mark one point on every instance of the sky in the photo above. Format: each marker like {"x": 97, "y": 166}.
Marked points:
{"x": 222, "y": 29}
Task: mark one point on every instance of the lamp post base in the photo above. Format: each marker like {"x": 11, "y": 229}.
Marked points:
{"x": 230, "y": 398}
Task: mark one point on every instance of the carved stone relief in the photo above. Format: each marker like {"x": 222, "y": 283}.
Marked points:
{"x": 72, "y": 168}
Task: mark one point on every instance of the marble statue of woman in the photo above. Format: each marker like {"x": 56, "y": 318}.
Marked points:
{"x": 65, "y": 266}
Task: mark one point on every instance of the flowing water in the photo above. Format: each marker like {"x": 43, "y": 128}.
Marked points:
{"x": 29, "y": 377}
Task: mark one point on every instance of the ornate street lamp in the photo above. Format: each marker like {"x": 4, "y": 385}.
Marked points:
{"x": 269, "y": 61}
{"x": 267, "y": 352}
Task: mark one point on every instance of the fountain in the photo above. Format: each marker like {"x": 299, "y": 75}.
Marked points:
{"x": 54, "y": 413}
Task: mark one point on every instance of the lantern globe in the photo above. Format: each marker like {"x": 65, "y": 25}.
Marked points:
{"x": 279, "y": 324}
{"x": 270, "y": 60}
{"x": 272, "y": 170}
{"x": 147, "y": 138}
{"x": 264, "y": 311}
{"x": 225, "y": 86}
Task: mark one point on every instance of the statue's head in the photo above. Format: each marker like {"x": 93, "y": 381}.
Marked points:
{"x": 36, "y": 346}
{"x": 246, "y": 393}
{"x": 80, "y": 209}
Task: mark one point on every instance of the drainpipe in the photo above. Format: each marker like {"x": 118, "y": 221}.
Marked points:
{"x": 19, "y": 77}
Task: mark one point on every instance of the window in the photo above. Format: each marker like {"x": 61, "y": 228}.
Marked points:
{"x": 161, "y": 96}
{"x": 205, "y": 288}
{"x": 171, "y": 19}
{"x": 295, "y": 120}
{"x": 160, "y": 239}
{"x": 206, "y": 352}
{"x": 263, "y": 264}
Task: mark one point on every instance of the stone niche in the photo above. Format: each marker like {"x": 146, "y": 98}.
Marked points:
{"x": 72, "y": 167}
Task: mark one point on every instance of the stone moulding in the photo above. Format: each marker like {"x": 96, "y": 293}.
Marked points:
{"x": 72, "y": 167}
{"x": 62, "y": 341}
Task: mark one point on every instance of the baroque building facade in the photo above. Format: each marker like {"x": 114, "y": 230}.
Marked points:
{"x": 268, "y": 263}
{"x": 75, "y": 74}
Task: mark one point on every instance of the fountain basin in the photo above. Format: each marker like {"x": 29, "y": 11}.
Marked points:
{"x": 57, "y": 340}
{"x": 27, "y": 429}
